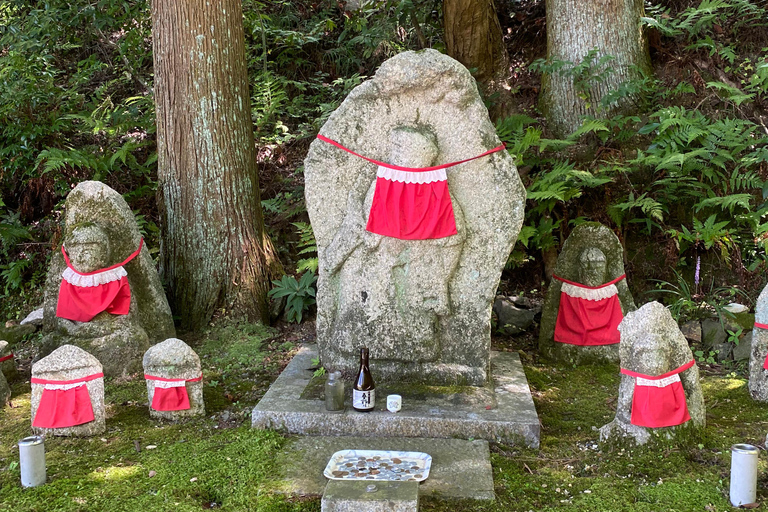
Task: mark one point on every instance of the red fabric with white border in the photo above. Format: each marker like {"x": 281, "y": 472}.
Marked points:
{"x": 82, "y": 296}
{"x": 659, "y": 401}
{"x": 170, "y": 394}
{"x": 64, "y": 403}
{"x": 411, "y": 203}
{"x": 763, "y": 326}
{"x": 588, "y": 315}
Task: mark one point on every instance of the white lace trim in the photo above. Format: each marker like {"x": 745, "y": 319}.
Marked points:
{"x": 63, "y": 386}
{"x": 100, "y": 278}
{"x": 165, "y": 385}
{"x": 412, "y": 177}
{"x": 658, "y": 383}
{"x": 589, "y": 293}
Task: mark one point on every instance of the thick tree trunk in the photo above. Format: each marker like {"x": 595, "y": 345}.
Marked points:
{"x": 574, "y": 27}
{"x": 473, "y": 37}
{"x": 215, "y": 252}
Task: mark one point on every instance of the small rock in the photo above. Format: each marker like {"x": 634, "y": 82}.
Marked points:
{"x": 692, "y": 330}
{"x": 742, "y": 350}
{"x": 712, "y": 333}
{"x": 511, "y": 318}
{"x": 152, "y": 473}
{"x": 34, "y": 318}
{"x": 193, "y": 479}
{"x": 151, "y": 446}
{"x": 735, "y": 307}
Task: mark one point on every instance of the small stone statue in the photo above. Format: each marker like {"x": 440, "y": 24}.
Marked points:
{"x": 103, "y": 293}
{"x": 758, "y": 374}
{"x": 660, "y": 380}
{"x": 587, "y": 298}
{"x": 174, "y": 381}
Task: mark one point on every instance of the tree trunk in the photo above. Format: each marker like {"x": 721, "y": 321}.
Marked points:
{"x": 473, "y": 37}
{"x": 574, "y": 27}
{"x": 215, "y": 253}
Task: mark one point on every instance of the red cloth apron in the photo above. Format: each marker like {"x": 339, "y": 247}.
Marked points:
{"x": 659, "y": 401}
{"x": 588, "y": 315}
{"x": 763, "y": 326}
{"x": 170, "y": 394}
{"x": 65, "y": 403}
{"x": 411, "y": 203}
{"x": 5, "y": 358}
{"x": 82, "y": 296}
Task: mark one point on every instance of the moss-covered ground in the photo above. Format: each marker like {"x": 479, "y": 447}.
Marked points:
{"x": 219, "y": 462}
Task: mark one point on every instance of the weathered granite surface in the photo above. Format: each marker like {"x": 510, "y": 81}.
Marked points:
{"x": 590, "y": 235}
{"x": 355, "y": 495}
{"x": 7, "y": 367}
{"x": 758, "y": 377}
{"x": 652, "y": 344}
{"x": 460, "y": 469}
{"x": 510, "y": 418}
{"x": 34, "y": 318}
{"x": 69, "y": 362}
{"x": 15, "y": 333}
{"x": 102, "y": 231}
{"x": 174, "y": 359}
{"x": 423, "y": 307}
{"x": 5, "y": 391}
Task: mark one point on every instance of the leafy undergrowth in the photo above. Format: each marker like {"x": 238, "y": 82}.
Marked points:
{"x": 219, "y": 462}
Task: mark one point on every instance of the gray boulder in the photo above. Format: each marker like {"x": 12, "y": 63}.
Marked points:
{"x": 758, "y": 377}
{"x": 34, "y": 318}
{"x": 652, "y": 344}
{"x": 423, "y": 307}
{"x": 514, "y": 314}
{"x": 574, "y": 264}
{"x": 101, "y": 231}
{"x": 68, "y": 363}
{"x": 743, "y": 350}
{"x": 14, "y": 333}
{"x": 174, "y": 359}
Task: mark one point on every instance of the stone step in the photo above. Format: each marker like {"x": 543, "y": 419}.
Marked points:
{"x": 361, "y": 495}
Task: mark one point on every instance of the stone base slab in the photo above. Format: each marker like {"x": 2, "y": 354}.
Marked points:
{"x": 357, "y": 495}
{"x": 509, "y": 417}
{"x": 460, "y": 469}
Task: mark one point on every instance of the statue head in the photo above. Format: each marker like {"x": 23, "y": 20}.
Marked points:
{"x": 88, "y": 248}
{"x": 412, "y": 147}
{"x": 592, "y": 267}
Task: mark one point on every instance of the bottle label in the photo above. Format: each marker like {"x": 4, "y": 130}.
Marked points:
{"x": 363, "y": 399}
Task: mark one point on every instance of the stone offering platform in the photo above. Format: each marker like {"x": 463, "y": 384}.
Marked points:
{"x": 460, "y": 469}
{"x": 502, "y": 412}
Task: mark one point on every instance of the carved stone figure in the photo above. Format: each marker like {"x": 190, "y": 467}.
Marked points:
{"x": 587, "y": 298}
{"x": 419, "y": 298}
{"x": 108, "y": 300}
{"x": 659, "y": 391}
{"x": 758, "y": 375}
{"x": 174, "y": 381}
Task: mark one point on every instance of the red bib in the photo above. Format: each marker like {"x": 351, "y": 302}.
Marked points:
{"x": 170, "y": 394}
{"x": 64, "y": 403}
{"x": 411, "y": 203}
{"x": 82, "y": 296}
{"x": 6, "y": 358}
{"x": 659, "y": 401}
{"x": 588, "y": 315}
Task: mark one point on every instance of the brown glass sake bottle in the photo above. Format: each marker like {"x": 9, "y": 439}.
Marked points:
{"x": 364, "y": 390}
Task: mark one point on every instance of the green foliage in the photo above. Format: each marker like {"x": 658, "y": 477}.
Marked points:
{"x": 307, "y": 246}
{"x": 299, "y": 294}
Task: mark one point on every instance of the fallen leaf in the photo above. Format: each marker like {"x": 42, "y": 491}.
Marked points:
{"x": 488, "y": 407}
{"x": 750, "y": 505}
{"x": 152, "y": 473}
{"x": 151, "y": 446}
{"x": 193, "y": 479}
{"x": 137, "y": 446}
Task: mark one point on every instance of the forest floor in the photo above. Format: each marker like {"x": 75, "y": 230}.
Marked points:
{"x": 219, "y": 462}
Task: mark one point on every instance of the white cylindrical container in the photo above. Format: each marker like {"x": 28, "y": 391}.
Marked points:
{"x": 394, "y": 403}
{"x": 743, "y": 474}
{"x": 32, "y": 461}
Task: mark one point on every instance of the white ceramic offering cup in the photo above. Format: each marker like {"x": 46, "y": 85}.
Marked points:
{"x": 394, "y": 403}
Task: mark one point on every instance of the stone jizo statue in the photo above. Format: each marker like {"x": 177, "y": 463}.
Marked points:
{"x": 587, "y": 298}
{"x": 659, "y": 386}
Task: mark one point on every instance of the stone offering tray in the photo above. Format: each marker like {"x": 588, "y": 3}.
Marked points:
{"x": 503, "y": 411}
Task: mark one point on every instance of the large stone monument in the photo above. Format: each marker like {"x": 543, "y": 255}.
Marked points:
{"x": 587, "y": 298}
{"x": 419, "y": 297}
{"x": 174, "y": 381}
{"x": 101, "y": 239}
{"x": 758, "y": 375}
{"x": 659, "y": 390}
{"x": 68, "y": 394}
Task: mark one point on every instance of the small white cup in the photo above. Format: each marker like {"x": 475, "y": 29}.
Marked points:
{"x": 394, "y": 403}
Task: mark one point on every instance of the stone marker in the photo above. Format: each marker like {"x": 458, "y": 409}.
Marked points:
{"x": 100, "y": 232}
{"x": 68, "y": 388}
{"x": 7, "y": 362}
{"x": 174, "y": 381}
{"x": 357, "y": 495}
{"x": 758, "y": 376}
{"x": 422, "y": 306}
{"x": 591, "y": 256}
{"x": 652, "y": 345}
